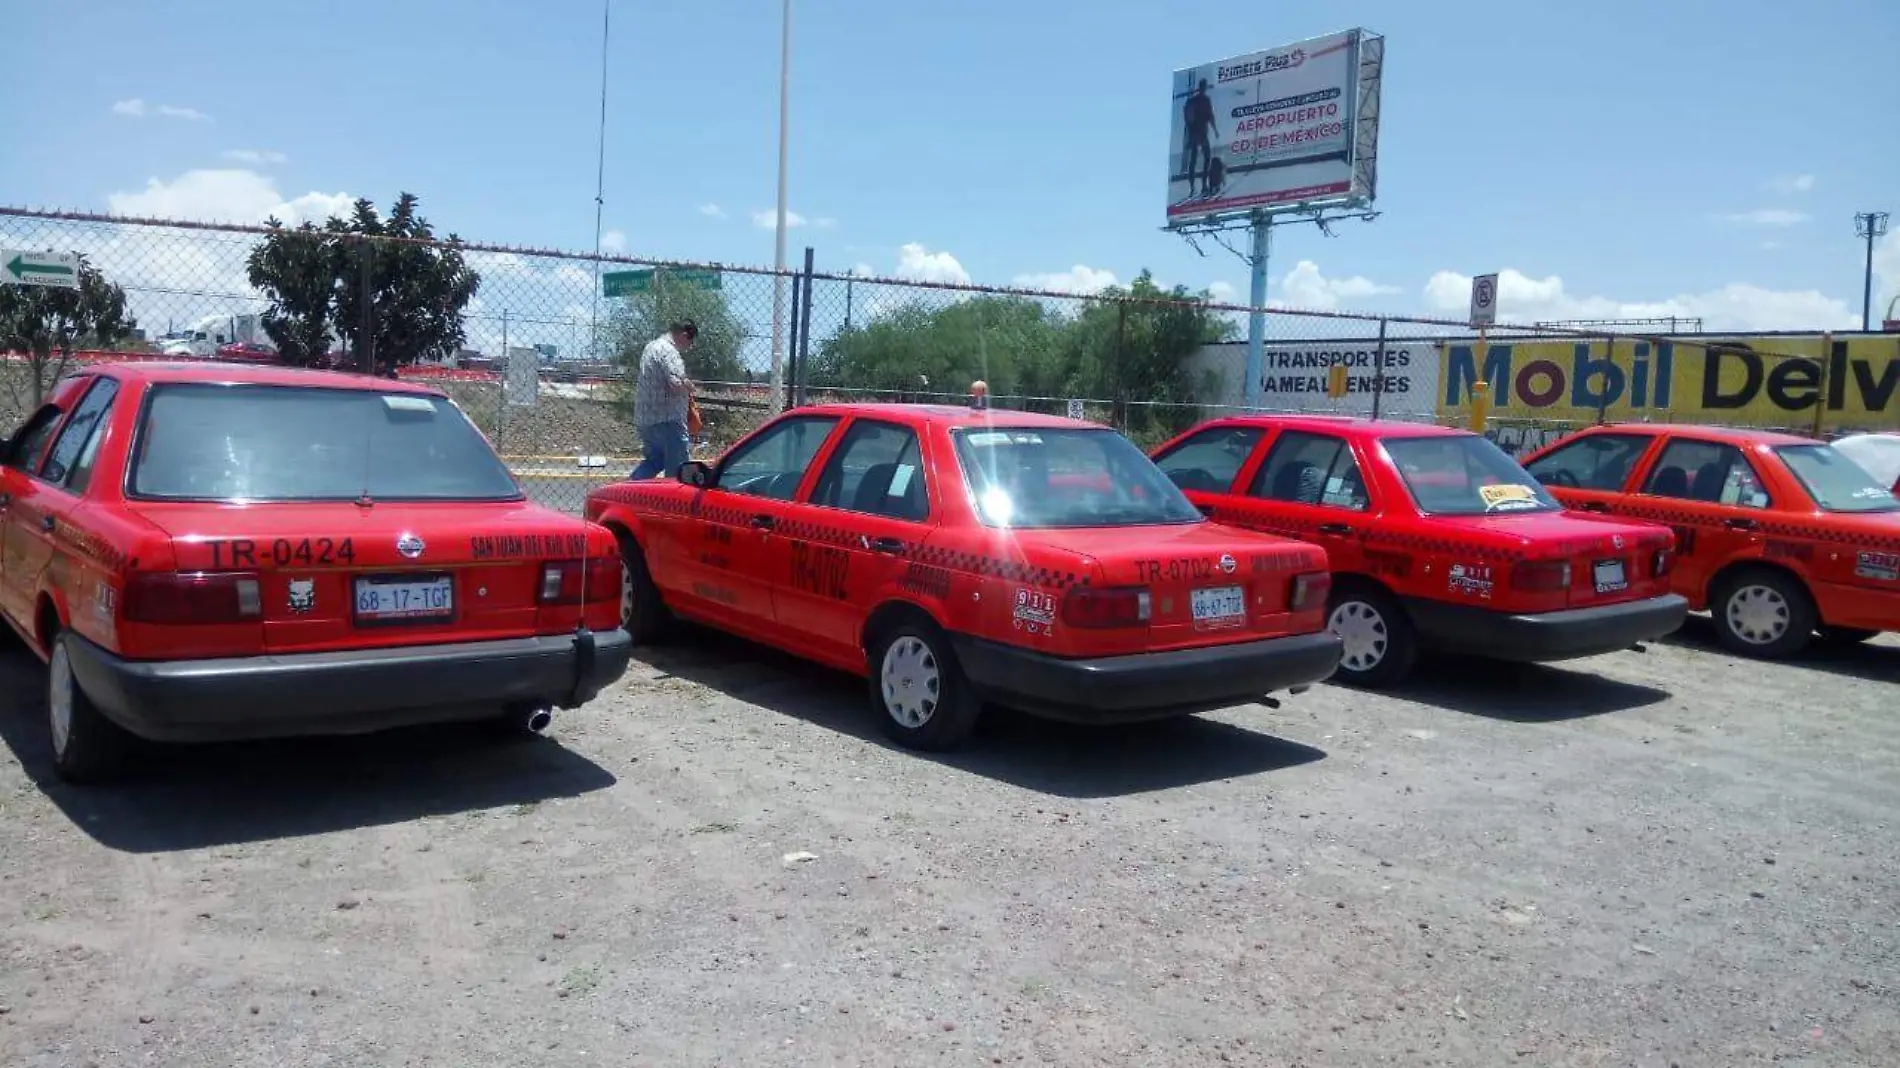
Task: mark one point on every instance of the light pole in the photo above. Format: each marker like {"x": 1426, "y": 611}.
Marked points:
{"x": 778, "y": 258}
{"x": 1869, "y": 225}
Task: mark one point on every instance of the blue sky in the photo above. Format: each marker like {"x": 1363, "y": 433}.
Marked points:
{"x": 1694, "y": 156}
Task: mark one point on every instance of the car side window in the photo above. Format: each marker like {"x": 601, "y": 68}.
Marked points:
{"x": 773, "y": 464}
{"x": 29, "y": 443}
{"x": 1597, "y": 462}
{"x": 69, "y": 463}
{"x": 1317, "y": 469}
{"x": 1209, "y": 461}
{"x": 1711, "y": 472}
{"x": 876, "y": 469}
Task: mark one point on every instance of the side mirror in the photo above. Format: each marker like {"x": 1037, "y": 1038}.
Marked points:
{"x": 695, "y": 473}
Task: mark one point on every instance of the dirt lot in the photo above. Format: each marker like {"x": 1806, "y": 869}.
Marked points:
{"x": 1672, "y": 858}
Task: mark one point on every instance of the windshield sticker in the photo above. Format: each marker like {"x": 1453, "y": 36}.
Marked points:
{"x": 1472, "y": 580}
{"x": 1002, "y": 437}
{"x": 1506, "y": 496}
{"x": 396, "y": 403}
{"x": 303, "y": 595}
{"x": 1035, "y": 612}
{"x": 519, "y": 546}
{"x": 1883, "y": 567}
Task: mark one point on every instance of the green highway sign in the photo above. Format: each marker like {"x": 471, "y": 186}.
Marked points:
{"x": 39, "y": 268}
{"x": 627, "y": 283}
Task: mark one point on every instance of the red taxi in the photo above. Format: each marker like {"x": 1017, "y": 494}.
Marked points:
{"x": 1436, "y": 537}
{"x": 203, "y": 552}
{"x": 1779, "y": 536}
{"x": 961, "y": 555}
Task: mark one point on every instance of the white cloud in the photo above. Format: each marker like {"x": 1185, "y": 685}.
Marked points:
{"x": 824, "y": 222}
{"x": 254, "y": 156}
{"x": 1222, "y": 292}
{"x": 1766, "y": 217}
{"x": 1737, "y": 306}
{"x": 712, "y": 211}
{"x": 613, "y": 241}
{"x": 137, "y": 108}
{"x": 863, "y": 270}
{"x": 1305, "y": 287}
{"x": 917, "y": 262}
{"x": 239, "y": 196}
{"x": 1792, "y": 183}
{"x": 1077, "y": 279}
{"x": 768, "y": 219}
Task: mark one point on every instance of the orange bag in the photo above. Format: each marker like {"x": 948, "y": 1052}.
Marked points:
{"x": 694, "y": 424}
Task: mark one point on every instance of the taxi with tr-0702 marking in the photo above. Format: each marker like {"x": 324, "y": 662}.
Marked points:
{"x": 1437, "y": 539}
{"x": 963, "y": 555}
{"x": 1780, "y": 536}
{"x": 204, "y": 552}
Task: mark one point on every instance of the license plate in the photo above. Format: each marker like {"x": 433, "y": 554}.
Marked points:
{"x": 1610, "y": 576}
{"x": 382, "y": 600}
{"x": 1222, "y": 606}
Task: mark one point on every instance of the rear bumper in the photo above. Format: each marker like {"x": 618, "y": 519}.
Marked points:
{"x": 351, "y": 692}
{"x": 1545, "y": 635}
{"x": 1144, "y": 685}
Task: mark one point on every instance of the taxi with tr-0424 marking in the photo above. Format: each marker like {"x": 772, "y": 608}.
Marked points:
{"x": 1437, "y": 539}
{"x": 962, "y": 555}
{"x": 1779, "y": 536}
{"x": 204, "y": 552}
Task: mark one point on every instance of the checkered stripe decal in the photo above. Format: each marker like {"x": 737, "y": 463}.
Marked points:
{"x": 991, "y": 567}
{"x": 1765, "y": 526}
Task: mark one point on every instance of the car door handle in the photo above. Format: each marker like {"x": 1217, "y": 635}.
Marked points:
{"x": 1340, "y": 529}
{"x": 885, "y": 545}
{"x": 763, "y": 522}
{"x": 1739, "y": 523}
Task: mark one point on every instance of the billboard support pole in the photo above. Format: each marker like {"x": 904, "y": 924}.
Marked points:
{"x": 1257, "y": 301}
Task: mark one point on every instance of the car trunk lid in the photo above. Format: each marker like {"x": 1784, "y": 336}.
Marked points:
{"x": 1573, "y": 559}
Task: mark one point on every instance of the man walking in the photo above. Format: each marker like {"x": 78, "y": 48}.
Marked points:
{"x": 660, "y": 398}
{"x": 1197, "y": 116}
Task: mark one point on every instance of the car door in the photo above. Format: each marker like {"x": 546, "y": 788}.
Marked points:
{"x": 61, "y": 484}
{"x": 1710, "y": 493}
{"x": 740, "y": 557}
{"x": 22, "y": 509}
{"x": 1311, "y": 486}
{"x": 1591, "y": 471}
{"x": 868, "y": 508}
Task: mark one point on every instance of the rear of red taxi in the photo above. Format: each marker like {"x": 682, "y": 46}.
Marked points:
{"x": 333, "y": 555}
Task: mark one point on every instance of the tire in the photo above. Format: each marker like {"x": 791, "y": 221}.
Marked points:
{"x": 1846, "y": 635}
{"x": 1380, "y": 645}
{"x": 1763, "y": 614}
{"x": 643, "y": 613}
{"x": 918, "y": 690}
{"x": 87, "y": 747}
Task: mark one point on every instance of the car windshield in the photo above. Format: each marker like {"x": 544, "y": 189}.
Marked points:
{"x": 1463, "y": 474}
{"x": 275, "y": 443}
{"x": 1063, "y": 477}
{"x": 1836, "y": 483}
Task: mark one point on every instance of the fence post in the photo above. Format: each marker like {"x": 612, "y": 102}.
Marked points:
{"x": 803, "y": 368}
{"x": 789, "y": 368}
{"x": 1378, "y": 370}
{"x": 1603, "y": 396}
{"x": 366, "y": 359}
{"x": 1120, "y": 413}
{"x": 1820, "y": 394}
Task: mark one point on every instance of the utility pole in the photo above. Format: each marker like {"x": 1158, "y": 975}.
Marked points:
{"x": 1869, "y": 225}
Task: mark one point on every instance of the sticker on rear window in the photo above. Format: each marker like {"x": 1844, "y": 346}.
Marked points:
{"x": 1002, "y": 437}
{"x": 1506, "y": 496}
{"x": 397, "y": 403}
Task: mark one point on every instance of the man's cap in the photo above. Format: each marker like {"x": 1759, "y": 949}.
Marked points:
{"x": 685, "y": 326}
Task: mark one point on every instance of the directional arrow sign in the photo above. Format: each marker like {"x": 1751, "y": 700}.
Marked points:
{"x": 39, "y": 268}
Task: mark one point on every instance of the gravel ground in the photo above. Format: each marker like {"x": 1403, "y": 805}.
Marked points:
{"x": 1671, "y": 858}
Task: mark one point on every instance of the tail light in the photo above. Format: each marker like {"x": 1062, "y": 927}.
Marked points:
{"x": 1309, "y": 591}
{"x": 180, "y": 597}
{"x": 1660, "y": 563}
{"x": 1541, "y": 575}
{"x": 562, "y": 580}
{"x": 1101, "y": 607}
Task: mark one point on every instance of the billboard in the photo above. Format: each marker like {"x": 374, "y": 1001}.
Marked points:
{"x": 1739, "y": 379}
{"x": 1293, "y": 376}
{"x": 1292, "y": 125}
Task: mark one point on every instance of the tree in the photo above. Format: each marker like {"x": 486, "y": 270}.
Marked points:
{"x": 1008, "y": 342}
{"x": 47, "y": 323}
{"x": 641, "y": 317}
{"x": 315, "y": 278}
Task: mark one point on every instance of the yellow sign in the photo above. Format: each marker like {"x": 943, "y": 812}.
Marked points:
{"x": 1742, "y": 379}
{"x": 1336, "y": 381}
{"x": 1492, "y": 496}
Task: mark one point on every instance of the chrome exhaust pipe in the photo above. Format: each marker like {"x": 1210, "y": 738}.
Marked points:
{"x": 539, "y": 720}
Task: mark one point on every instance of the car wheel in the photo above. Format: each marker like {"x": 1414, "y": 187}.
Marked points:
{"x": 1379, "y": 646}
{"x": 87, "y": 747}
{"x": 1765, "y": 614}
{"x": 643, "y": 614}
{"x": 1846, "y": 635}
{"x": 918, "y": 689}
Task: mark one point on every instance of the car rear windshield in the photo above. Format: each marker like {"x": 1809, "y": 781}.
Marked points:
{"x": 1835, "y": 481}
{"x": 1463, "y": 474}
{"x": 276, "y": 443}
{"x": 1060, "y": 477}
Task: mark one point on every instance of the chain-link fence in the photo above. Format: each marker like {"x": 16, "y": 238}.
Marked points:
{"x": 537, "y": 345}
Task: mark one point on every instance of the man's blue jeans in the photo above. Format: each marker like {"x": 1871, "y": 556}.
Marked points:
{"x": 667, "y": 448}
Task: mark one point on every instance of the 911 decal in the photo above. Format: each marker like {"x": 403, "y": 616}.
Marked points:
{"x": 283, "y": 552}
{"x": 1472, "y": 580}
{"x": 1035, "y": 612}
{"x": 820, "y": 569}
{"x": 1882, "y": 567}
